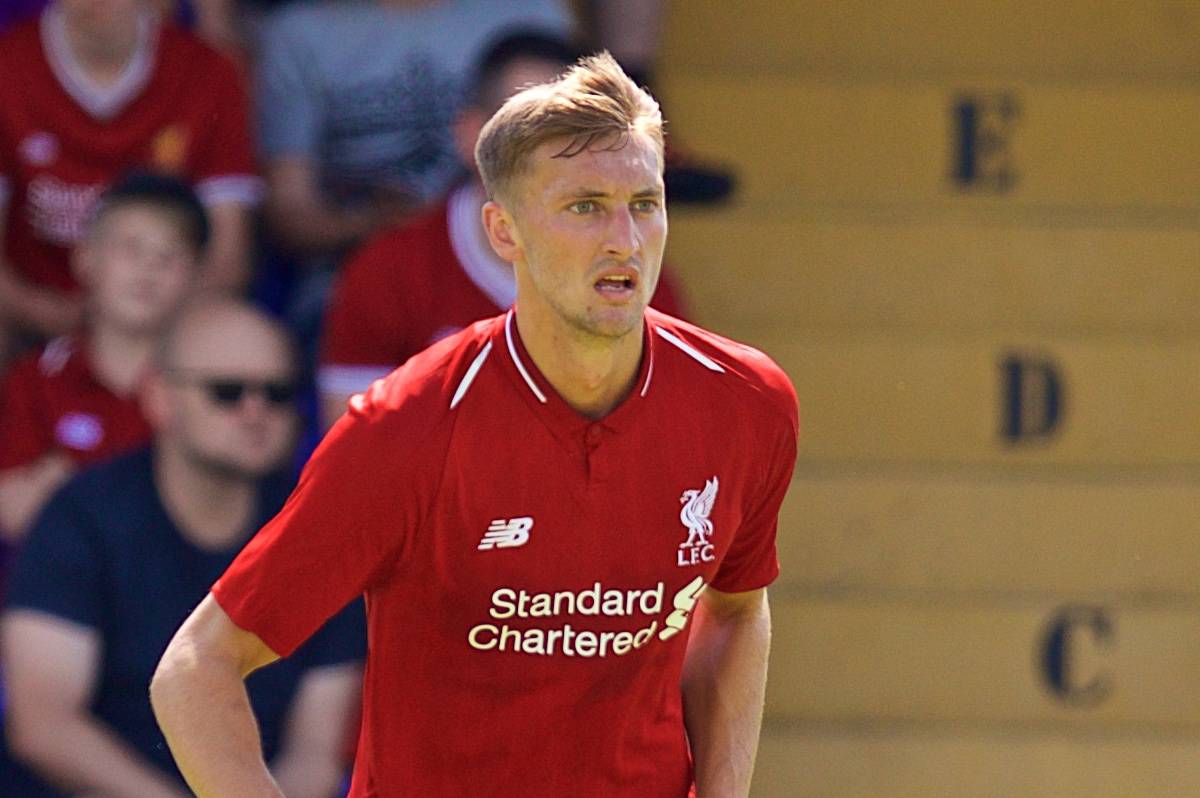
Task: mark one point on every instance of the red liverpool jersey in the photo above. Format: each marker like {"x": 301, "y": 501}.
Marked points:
{"x": 179, "y": 108}
{"x": 529, "y": 572}
{"x": 52, "y": 402}
{"x": 415, "y": 284}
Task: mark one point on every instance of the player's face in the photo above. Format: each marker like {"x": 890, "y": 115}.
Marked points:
{"x": 137, "y": 268}
{"x": 589, "y": 233}
{"x": 230, "y": 399}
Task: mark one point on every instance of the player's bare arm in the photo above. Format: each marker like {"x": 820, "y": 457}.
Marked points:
{"x": 51, "y": 669}
{"x": 724, "y": 682}
{"x": 199, "y": 699}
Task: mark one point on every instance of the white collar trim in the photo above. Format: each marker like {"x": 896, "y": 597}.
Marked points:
{"x": 512, "y": 352}
{"x": 690, "y": 351}
{"x": 101, "y": 102}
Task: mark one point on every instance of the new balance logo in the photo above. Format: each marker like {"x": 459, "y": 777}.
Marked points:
{"x": 503, "y": 534}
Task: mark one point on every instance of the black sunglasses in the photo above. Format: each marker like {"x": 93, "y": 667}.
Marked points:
{"x": 228, "y": 392}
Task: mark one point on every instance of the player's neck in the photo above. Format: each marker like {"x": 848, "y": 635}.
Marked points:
{"x": 212, "y": 510}
{"x": 103, "y": 52}
{"x": 593, "y": 375}
{"x": 119, "y": 358}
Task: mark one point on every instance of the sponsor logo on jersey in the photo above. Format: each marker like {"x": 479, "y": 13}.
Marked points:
{"x": 506, "y": 534}
{"x": 79, "y": 431}
{"x": 39, "y": 149}
{"x": 538, "y": 631}
{"x": 697, "y": 507}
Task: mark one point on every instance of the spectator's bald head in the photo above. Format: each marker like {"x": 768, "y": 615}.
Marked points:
{"x": 226, "y": 333}
{"x": 221, "y": 395}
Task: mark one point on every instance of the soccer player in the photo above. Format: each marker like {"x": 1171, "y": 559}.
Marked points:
{"x": 563, "y": 518}
{"x": 418, "y": 282}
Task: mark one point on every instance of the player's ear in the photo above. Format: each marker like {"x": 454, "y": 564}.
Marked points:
{"x": 501, "y": 231}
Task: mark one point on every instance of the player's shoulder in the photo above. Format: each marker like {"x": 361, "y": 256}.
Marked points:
{"x": 724, "y": 364}
{"x": 422, "y": 391}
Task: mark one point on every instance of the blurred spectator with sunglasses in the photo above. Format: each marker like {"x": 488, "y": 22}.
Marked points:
{"x": 74, "y": 402}
{"x": 128, "y": 548}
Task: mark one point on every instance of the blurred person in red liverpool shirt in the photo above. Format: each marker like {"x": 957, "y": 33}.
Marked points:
{"x": 74, "y": 402}
{"x": 423, "y": 280}
{"x": 89, "y": 91}
{"x": 563, "y": 518}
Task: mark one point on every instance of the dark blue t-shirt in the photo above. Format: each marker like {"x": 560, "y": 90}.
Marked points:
{"x": 105, "y": 554}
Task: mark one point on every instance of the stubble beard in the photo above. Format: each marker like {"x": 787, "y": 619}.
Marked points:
{"x": 591, "y": 326}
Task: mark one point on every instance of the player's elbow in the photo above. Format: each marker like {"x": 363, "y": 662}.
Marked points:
{"x": 190, "y": 661}
{"x": 176, "y": 668}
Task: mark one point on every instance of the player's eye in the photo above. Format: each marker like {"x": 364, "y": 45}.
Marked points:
{"x": 645, "y": 205}
{"x": 584, "y": 206}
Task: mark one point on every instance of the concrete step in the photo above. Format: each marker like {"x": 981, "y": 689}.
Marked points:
{"x": 1003, "y": 535}
{"x": 1152, "y": 39}
{"x": 991, "y": 399}
{"x": 1120, "y": 148}
{"x": 856, "y": 763}
{"x": 918, "y": 272}
{"x": 1063, "y": 665}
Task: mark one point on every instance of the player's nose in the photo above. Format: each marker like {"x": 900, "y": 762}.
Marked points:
{"x": 623, "y": 236}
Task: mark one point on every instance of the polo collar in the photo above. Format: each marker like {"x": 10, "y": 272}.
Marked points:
{"x": 548, "y": 405}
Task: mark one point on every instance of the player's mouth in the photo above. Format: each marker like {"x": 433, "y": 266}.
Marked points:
{"x": 617, "y": 285}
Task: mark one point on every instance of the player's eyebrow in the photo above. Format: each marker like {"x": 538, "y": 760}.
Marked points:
{"x": 594, "y": 193}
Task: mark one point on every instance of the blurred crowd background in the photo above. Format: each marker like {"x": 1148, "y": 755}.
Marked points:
{"x": 969, "y": 230}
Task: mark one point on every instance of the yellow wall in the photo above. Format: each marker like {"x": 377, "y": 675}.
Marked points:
{"x": 960, "y": 613}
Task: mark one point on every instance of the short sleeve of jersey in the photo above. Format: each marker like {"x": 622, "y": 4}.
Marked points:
{"x": 752, "y": 561}
{"x": 58, "y": 570}
{"x": 224, "y": 170}
{"x": 22, "y": 428}
{"x": 359, "y": 498}
{"x": 289, "y": 103}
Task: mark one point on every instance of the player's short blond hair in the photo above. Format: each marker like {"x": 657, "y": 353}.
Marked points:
{"x": 593, "y": 106}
